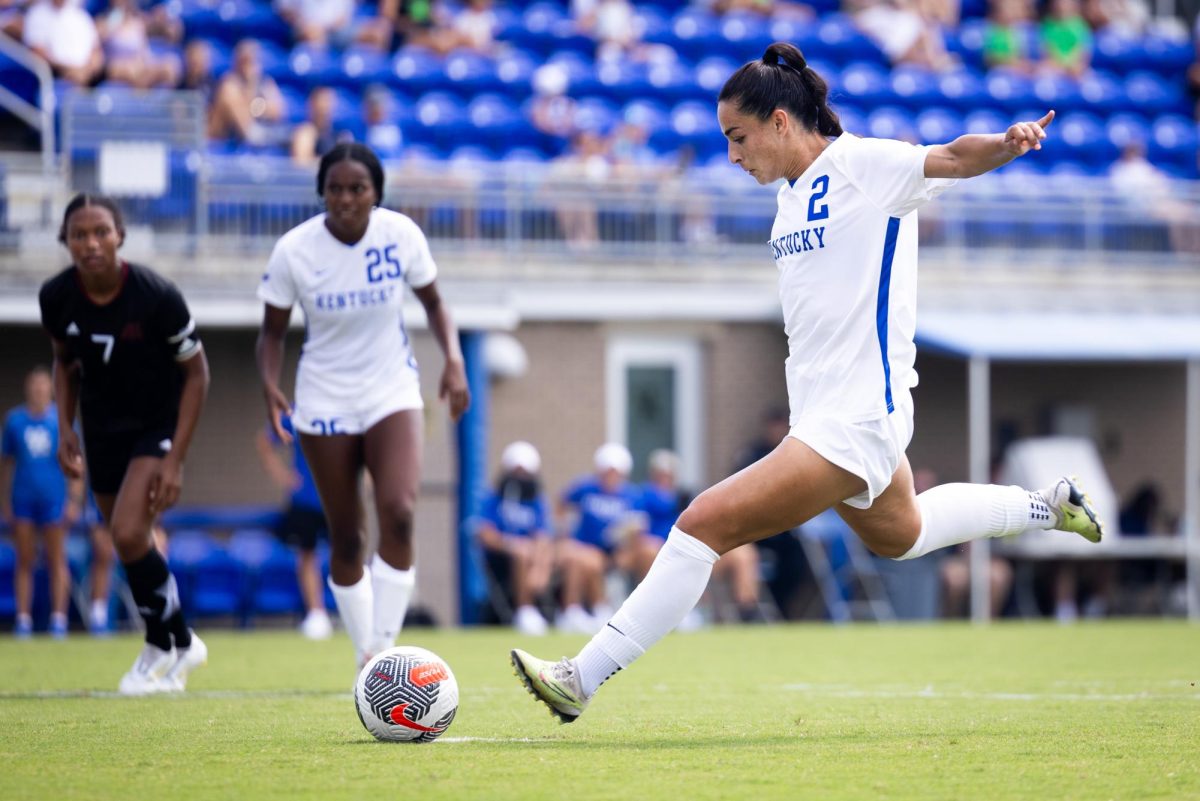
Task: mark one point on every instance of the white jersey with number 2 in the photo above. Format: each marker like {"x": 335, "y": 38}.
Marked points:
{"x": 845, "y": 243}
{"x": 356, "y": 349}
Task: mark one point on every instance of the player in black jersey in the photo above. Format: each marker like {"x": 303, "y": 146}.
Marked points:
{"x": 126, "y": 351}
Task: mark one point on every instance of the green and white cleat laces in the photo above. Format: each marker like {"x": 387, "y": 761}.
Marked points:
{"x": 1073, "y": 510}
{"x": 555, "y": 684}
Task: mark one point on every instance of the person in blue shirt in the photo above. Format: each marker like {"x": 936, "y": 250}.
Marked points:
{"x": 302, "y": 524}
{"x": 514, "y": 531}
{"x": 662, "y": 501}
{"x": 37, "y": 500}
{"x": 606, "y": 533}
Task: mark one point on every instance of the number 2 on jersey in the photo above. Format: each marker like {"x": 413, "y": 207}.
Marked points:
{"x": 821, "y": 213}
{"x": 375, "y": 259}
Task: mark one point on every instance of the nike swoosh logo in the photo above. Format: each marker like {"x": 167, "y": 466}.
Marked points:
{"x": 397, "y": 716}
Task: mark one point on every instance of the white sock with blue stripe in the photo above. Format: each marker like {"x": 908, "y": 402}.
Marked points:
{"x": 670, "y": 590}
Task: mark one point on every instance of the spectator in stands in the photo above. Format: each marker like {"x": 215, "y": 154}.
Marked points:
{"x": 384, "y": 134}
{"x": 125, "y": 32}
{"x": 782, "y": 551}
{"x": 551, "y": 110}
{"x": 583, "y": 168}
{"x": 901, "y": 30}
{"x": 319, "y": 22}
{"x": 12, "y": 17}
{"x": 617, "y": 31}
{"x": 34, "y": 498}
{"x": 477, "y": 23}
{"x": 197, "y": 69}
{"x": 247, "y": 103}
{"x": 1066, "y": 39}
{"x": 425, "y": 23}
{"x": 604, "y": 534}
{"x": 316, "y": 136}
{"x": 1005, "y": 37}
{"x": 515, "y": 534}
{"x": 771, "y": 9}
{"x": 1148, "y": 190}
{"x": 631, "y": 156}
{"x": 662, "y": 501}
{"x": 64, "y": 34}
{"x": 1126, "y": 18}
{"x": 301, "y": 525}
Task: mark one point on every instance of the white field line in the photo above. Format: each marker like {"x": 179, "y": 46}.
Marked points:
{"x": 841, "y": 691}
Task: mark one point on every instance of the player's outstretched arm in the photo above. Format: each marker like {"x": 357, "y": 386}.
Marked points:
{"x": 974, "y": 154}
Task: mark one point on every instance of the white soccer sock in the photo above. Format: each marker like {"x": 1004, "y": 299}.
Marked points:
{"x": 672, "y": 587}
{"x": 393, "y": 587}
{"x": 99, "y": 613}
{"x": 956, "y": 513}
{"x": 354, "y": 604}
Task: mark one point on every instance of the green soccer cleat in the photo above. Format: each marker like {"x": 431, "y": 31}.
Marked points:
{"x": 555, "y": 684}
{"x": 1073, "y": 510}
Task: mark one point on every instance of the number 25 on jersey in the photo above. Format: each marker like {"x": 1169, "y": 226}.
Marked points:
{"x": 376, "y": 261}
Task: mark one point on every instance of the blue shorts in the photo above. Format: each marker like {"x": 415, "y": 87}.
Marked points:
{"x": 41, "y": 510}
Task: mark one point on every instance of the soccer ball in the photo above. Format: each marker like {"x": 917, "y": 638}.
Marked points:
{"x": 406, "y": 695}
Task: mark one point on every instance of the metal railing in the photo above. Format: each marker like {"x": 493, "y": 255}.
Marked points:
{"x": 41, "y": 116}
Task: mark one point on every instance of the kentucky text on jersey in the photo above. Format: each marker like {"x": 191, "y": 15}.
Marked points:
{"x": 356, "y": 299}
{"x": 798, "y": 242}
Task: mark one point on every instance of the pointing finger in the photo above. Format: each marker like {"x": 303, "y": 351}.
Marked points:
{"x": 1044, "y": 121}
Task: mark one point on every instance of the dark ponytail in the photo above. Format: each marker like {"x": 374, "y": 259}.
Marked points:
{"x": 783, "y": 79}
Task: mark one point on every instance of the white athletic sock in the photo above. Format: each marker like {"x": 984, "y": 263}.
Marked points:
{"x": 354, "y": 604}
{"x": 393, "y": 587}
{"x": 956, "y": 513}
{"x": 99, "y": 614}
{"x": 672, "y": 587}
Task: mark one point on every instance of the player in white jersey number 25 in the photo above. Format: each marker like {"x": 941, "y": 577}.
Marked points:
{"x": 358, "y": 400}
{"x": 845, "y": 244}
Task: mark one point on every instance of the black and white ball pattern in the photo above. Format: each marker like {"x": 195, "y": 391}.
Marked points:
{"x": 406, "y": 694}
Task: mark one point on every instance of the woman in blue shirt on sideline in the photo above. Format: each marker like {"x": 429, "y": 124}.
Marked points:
{"x": 38, "y": 500}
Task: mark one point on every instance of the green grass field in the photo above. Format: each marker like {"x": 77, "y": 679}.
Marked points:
{"x": 1024, "y": 711}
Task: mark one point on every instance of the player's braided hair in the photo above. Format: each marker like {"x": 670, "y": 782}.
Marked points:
{"x": 86, "y": 199}
{"x": 783, "y": 79}
{"x": 352, "y": 151}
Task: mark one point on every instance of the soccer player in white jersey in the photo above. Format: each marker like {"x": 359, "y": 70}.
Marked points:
{"x": 845, "y": 243}
{"x": 358, "y": 400}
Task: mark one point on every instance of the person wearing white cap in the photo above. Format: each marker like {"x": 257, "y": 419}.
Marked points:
{"x": 514, "y": 532}
{"x": 603, "y": 535}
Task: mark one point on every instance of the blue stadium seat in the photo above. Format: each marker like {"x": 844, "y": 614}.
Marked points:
{"x": 1102, "y": 92}
{"x": 495, "y": 120}
{"x": 1009, "y": 90}
{"x": 986, "y": 122}
{"x": 417, "y": 70}
{"x": 963, "y": 90}
{"x": 938, "y": 126}
{"x": 672, "y": 81}
{"x": 891, "y": 122}
{"x": 712, "y": 72}
{"x": 1057, "y": 92}
{"x": 469, "y": 73}
{"x": 692, "y": 34}
{"x": 1151, "y": 94}
{"x": 616, "y": 80}
{"x": 514, "y": 71}
{"x": 914, "y": 87}
{"x": 364, "y": 65}
{"x": 578, "y": 68}
{"x": 852, "y": 119}
{"x": 1174, "y": 140}
{"x": 438, "y": 118}
{"x": 646, "y": 113}
{"x": 742, "y": 35}
{"x": 841, "y": 41}
{"x": 595, "y": 115}
{"x": 268, "y": 571}
{"x": 967, "y": 42}
{"x": 865, "y": 84}
{"x": 1081, "y": 138}
{"x": 1125, "y": 129}
{"x": 8, "y": 566}
{"x": 1168, "y": 57}
{"x": 800, "y": 32}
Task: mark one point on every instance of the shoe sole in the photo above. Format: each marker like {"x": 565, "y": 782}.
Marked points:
{"x": 1078, "y": 497}
{"x": 519, "y": 672}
